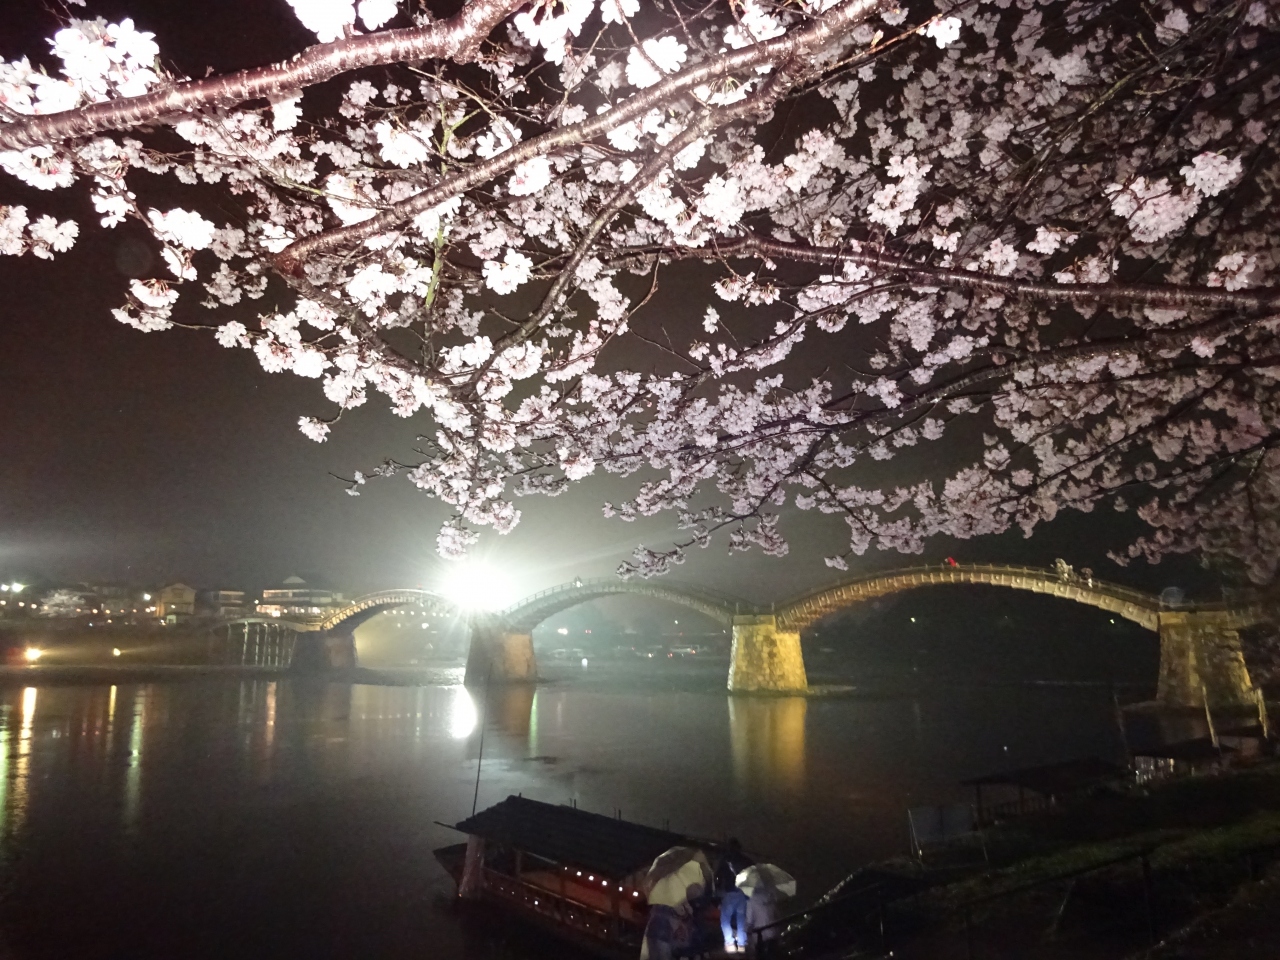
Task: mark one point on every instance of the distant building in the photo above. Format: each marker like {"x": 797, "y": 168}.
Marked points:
{"x": 174, "y": 601}
{"x": 296, "y": 599}
{"x": 223, "y": 604}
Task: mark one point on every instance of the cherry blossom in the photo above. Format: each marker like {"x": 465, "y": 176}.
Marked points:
{"x": 944, "y": 32}
{"x": 530, "y": 177}
{"x": 313, "y": 429}
{"x": 327, "y": 19}
{"x": 936, "y": 272}
{"x": 510, "y": 273}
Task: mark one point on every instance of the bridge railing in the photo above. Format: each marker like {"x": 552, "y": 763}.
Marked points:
{"x": 1041, "y": 574}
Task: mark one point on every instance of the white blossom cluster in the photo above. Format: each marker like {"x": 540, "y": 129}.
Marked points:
{"x": 976, "y": 259}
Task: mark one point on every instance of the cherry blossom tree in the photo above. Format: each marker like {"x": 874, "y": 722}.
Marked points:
{"x": 1022, "y": 249}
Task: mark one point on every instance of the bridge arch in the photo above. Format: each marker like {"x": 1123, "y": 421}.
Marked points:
{"x": 371, "y": 604}
{"x": 502, "y": 644}
{"x": 1142, "y": 608}
{"x": 531, "y": 611}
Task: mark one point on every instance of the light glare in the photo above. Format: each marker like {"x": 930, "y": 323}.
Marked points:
{"x": 476, "y": 587}
{"x": 33, "y": 654}
{"x": 463, "y": 715}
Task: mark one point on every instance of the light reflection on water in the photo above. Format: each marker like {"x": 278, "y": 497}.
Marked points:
{"x": 768, "y": 742}
{"x": 308, "y": 810}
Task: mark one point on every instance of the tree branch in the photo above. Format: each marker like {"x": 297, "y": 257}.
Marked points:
{"x": 457, "y": 38}
{"x": 805, "y": 42}
{"x": 1262, "y": 298}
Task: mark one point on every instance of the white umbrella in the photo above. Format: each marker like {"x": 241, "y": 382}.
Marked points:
{"x": 673, "y": 873}
{"x": 766, "y": 875}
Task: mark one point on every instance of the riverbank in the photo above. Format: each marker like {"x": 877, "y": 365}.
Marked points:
{"x": 1185, "y": 868}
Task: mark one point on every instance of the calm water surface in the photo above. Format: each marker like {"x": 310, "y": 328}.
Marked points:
{"x": 229, "y": 818}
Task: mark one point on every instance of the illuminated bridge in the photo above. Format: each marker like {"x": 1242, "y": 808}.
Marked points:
{"x": 314, "y": 643}
{"x": 1200, "y": 652}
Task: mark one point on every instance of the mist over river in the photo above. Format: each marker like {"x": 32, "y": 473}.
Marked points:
{"x": 228, "y": 817}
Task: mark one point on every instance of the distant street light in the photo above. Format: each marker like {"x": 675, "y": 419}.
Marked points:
{"x": 33, "y": 654}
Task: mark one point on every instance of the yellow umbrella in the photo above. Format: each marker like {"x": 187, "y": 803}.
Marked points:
{"x": 673, "y": 873}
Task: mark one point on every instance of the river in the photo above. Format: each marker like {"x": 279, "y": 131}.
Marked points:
{"x": 228, "y": 817}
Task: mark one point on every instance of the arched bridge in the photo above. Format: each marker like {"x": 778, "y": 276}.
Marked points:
{"x": 371, "y": 604}
{"x": 531, "y": 611}
{"x": 314, "y": 643}
{"x": 1200, "y": 652}
{"x": 1142, "y": 608}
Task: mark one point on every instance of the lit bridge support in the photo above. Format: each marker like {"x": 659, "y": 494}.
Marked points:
{"x": 1201, "y": 660}
{"x": 765, "y": 659}
{"x": 499, "y": 654}
{"x": 253, "y": 643}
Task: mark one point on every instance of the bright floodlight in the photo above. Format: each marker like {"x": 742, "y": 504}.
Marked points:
{"x": 33, "y": 654}
{"x": 475, "y": 587}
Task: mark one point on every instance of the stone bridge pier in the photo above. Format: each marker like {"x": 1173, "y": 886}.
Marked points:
{"x": 765, "y": 657}
{"x": 1201, "y": 660}
{"x": 499, "y": 654}
{"x": 325, "y": 650}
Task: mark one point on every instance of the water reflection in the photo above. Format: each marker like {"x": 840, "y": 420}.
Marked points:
{"x": 307, "y": 810}
{"x": 133, "y": 771}
{"x": 512, "y": 708}
{"x": 270, "y": 730}
{"x": 767, "y": 736}
{"x": 462, "y": 714}
{"x": 16, "y": 807}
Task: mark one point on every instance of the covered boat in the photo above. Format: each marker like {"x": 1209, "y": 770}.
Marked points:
{"x": 576, "y": 874}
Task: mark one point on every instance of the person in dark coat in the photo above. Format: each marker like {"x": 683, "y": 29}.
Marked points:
{"x": 733, "y": 902}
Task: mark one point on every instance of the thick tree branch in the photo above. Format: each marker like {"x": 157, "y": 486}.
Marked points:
{"x": 1261, "y": 298}
{"x": 457, "y": 38}
{"x": 805, "y": 42}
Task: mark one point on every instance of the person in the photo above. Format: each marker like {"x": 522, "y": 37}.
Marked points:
{"x": 762, "y": 910}
{"x": 669, "y": 933}
{"x": 733, "y": 902}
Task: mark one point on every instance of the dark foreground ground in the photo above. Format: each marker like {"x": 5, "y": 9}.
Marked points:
{"x": 1186, "y": 869}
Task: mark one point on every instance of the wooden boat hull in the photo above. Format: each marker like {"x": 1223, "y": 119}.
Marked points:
{"x": 580, "y": 924}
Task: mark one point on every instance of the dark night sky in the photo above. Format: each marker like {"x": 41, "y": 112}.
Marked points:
{"x": 156, "y": 456}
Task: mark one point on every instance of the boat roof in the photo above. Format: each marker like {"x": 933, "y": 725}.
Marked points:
{"x": 610, "y": 847}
